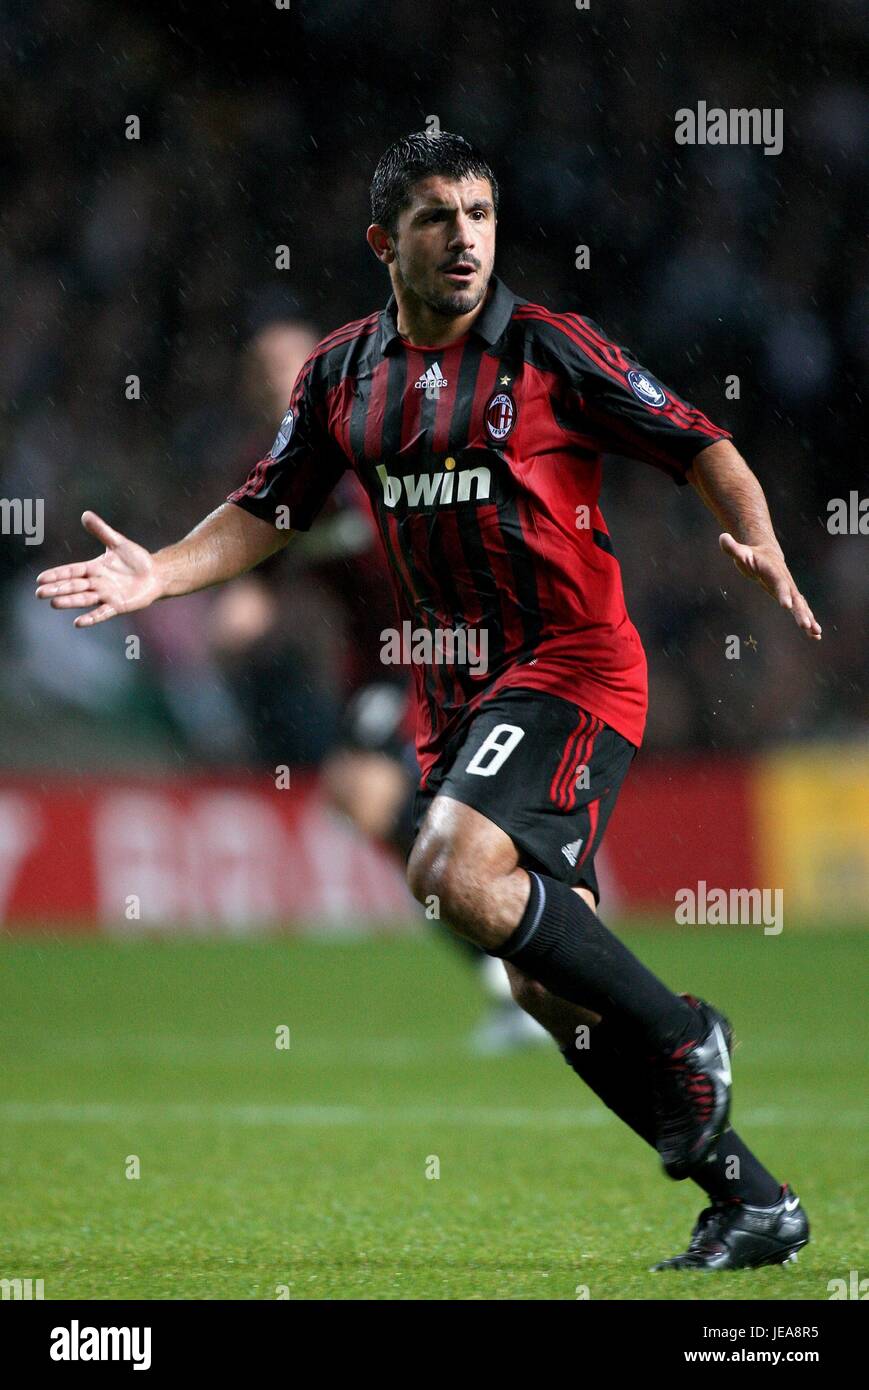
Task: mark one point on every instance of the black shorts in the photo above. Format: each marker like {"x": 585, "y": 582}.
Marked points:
{"x": 544, "y": 770}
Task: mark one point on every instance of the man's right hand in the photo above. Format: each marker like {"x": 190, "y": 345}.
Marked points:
{"x": 126, "y": 577}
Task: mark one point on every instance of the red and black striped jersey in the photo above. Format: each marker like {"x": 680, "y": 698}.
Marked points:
{"x": 482, "y": 462}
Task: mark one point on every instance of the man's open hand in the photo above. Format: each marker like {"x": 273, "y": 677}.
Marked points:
{"x": 766, "y": 565}
{"x": 120, "y": 581}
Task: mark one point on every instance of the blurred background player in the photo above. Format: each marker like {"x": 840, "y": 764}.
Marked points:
{"x": 283, "y": 651}
{"x": 371, "y": 777}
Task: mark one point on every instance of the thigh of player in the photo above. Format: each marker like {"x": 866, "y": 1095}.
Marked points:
{"x": 542, "y": 770}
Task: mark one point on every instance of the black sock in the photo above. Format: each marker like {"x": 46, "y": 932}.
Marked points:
{"x": 603, "y": 1067}
{"x": 733, "y": 1171}
{"x": 622, "y": 1084}
{"x": 564, "y": 945}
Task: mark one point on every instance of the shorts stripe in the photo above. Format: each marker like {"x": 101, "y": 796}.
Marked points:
{"x": 585, "y": 758}
{"x": 593, "y": 809}
{"x": 555, "y": 790}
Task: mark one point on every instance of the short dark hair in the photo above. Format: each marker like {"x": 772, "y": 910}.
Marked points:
{"x": 415, "y": 157}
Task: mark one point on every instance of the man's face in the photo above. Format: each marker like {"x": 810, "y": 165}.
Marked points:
{"x": 445, "y": 243}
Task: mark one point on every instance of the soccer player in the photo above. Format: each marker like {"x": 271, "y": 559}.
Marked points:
{"x": 476, "y": 422}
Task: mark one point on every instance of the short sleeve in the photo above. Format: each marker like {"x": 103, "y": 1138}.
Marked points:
{"x": 626, "y": 409}
{"x": 303, "y": 465}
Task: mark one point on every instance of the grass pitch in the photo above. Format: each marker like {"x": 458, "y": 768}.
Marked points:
{"x": 302, "y": 1171}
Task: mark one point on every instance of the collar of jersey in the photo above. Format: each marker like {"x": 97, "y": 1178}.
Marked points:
{"x": 488, "y": 325}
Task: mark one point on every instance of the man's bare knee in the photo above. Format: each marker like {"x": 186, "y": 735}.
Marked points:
{"x": 451, "y": 885}
{"x": 468, "y": 866}
{"x": 439, "y": 879}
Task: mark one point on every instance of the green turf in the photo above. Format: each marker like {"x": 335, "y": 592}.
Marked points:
{"x": 306, "y": 1168}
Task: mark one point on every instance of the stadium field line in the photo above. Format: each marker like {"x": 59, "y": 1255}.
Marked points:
{"x": 315, "y": 1116}
{"x": 395, "y": 1052}
{"x": 391, "y": 1052}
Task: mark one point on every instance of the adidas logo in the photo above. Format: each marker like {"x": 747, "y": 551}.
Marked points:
{"x": 431, "y": 377}
{"x": 571, "y": 851}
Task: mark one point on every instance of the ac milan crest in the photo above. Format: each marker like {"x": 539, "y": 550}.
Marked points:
{"x": 500, "y": 415}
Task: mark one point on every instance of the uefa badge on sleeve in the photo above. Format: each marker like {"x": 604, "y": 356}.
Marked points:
{"x": 284, "y": 435}
{"x": 646, "y": 389}
{"x": 500, "y": 415}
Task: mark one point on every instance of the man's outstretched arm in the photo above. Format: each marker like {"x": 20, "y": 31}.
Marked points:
{"x": 726, "y": 484}
{"x": 127, "y": 577}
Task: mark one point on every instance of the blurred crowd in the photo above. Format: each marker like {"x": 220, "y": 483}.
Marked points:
{"x": 154, "y": 259}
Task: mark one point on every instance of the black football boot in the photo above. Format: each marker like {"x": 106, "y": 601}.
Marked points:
{"x": 691, "y": 1093}
{"x": 734, "y": 1235}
